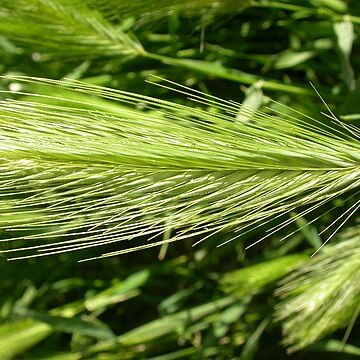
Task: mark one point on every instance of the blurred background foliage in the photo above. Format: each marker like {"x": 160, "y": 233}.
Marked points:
{"x": 180, "y": 302}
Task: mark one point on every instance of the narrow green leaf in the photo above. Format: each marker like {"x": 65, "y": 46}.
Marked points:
{"x": 75, "y": 325}
{"x": 308, "y": 231}
{"x": 254, "y": 99}
{"x": 336, "y": 5}
{"x": 168, "y": 324}
{"x": 118, "y": 292}
{"x": 251, "y": 346}
{"x": 21, "y": 335}
{"x": 218, "y": 70}
{"x": 344, "y": 32}
{"x": 180, "y": 354}
{"x": 55, "y": 356}
{"x": 229, "y": 316}
{"x": 290, "y": 58}
{"x": 335, "y": 346}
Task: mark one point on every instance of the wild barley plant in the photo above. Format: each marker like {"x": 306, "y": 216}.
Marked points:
{"x": 80, "y": 173}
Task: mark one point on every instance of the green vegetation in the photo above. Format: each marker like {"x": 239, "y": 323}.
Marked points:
{"x": 155, "y": 126}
